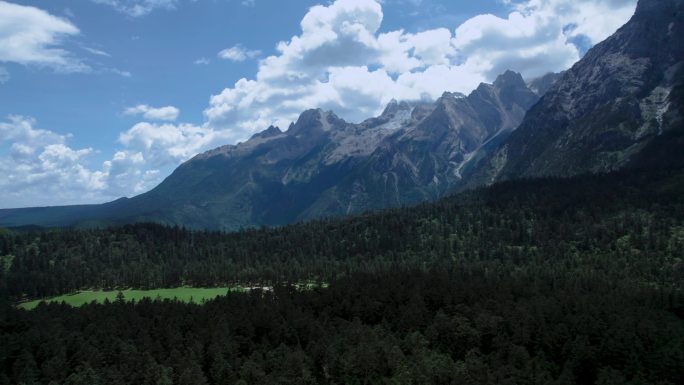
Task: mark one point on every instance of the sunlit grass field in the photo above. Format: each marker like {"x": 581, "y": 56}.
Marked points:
{"x": 184, "y": 294}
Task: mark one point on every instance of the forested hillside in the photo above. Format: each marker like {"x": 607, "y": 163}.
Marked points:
{"x": 529, "y": 282}
{"x": 450, "y": 326}
{"x": 529, "y": 233}
{"x": 622, "y": 225}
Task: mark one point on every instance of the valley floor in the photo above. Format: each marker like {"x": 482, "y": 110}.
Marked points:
{"x": 183, "y": 294}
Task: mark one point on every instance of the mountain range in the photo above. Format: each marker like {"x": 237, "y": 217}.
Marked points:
{"x": 604, "y": 111}
{"x": 619, "y": 106}
{"x": 320, "y": 166}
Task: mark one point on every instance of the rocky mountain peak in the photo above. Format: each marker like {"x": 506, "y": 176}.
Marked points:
{"x": 394, "y": 107}
{"x": 447, "y": 101}
{"x": 509, "y": 79}
{"x": 450, "y": 96}
{"x": 511, "y": 90}
{"x": 315, "y": 120}
{"x": 602, "y": 112}
{"x": 625, "y": 95}
{"x": 270, "y": 132}
{"x": 323, "y": 166}
{"x": 309, "y": 117}
{"x": 483, "y": 88}
{"x": 395, "y": 115}
{"x": 391, "y": 105}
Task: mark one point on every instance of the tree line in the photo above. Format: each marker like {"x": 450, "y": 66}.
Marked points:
{"x": 627, "y": 226}
{"x": 443, "y": 326}
{"x": 545, "y": 281}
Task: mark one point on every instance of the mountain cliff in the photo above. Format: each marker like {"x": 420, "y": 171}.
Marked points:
{"x": 620, "y": 106}
{"x": 324, "y": 166}
{"x": 320, "y": 166}
{"x": 604, "y": 111}
{"x": 422, "y": 160}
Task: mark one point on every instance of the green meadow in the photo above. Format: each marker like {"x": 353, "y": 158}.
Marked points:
{"x": 184, "y": 294}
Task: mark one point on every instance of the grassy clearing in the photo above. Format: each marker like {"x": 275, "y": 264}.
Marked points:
{"x": 185, "y": 294}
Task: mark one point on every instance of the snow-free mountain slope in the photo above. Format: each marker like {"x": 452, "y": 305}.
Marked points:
{"x": 603, "y": 111}
{"x": 620, "y": 106}
{"x": 322, "y": 165}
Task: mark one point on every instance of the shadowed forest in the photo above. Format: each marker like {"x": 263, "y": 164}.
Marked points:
{"x": 529, "y": 282}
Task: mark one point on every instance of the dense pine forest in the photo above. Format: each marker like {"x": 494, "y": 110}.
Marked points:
{"x": 545, "y": 281}
{"x": 413, "y": 327}
{"x": 624, "y": 226}
{"x": 549, "y": 249}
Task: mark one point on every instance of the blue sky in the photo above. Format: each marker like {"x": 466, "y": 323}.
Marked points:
{"x": 103, "y": 98}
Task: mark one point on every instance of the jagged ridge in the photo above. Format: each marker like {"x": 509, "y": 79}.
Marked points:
{"x": 604, "y": 111}
{"x": 322, "y": 165}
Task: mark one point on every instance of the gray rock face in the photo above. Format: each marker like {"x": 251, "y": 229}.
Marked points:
{"x": 423, "y": 159}
{"x": 622, "y": 105}
{"x": 542, "y": 84}
{"x": 603, "y": 111}
{"x": 324, "y": 166}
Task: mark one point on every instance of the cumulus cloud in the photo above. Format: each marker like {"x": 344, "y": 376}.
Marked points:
{"x": 29, "y": 35}
{"x": 170, "y": 144}
{"x": 594, "y": 19}
{"x": 19, "y": 130}
{"x": 162, "y": 113}
{"x": 126, "y": 174}
{"x": 340, "y": 61}
{"x": 138, "y": 8}
{"x": 526, "y": 43}
{"x": 238, "y": 53}
{"x": 41, "y": 169}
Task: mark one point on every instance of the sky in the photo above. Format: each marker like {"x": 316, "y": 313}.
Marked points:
{"x": 101, "y": 99}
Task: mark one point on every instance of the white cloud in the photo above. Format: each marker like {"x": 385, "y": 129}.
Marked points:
{"x": 41, "y": 169}
{"x": 119, "y": 72}
{"x": 96, "y": 51}
{"x": 4, "y": 75}
{"x": 29, "y": 35}
{"x": 162, "y": 113}
{"x": 339, "y": 61}
{"x": 128, "y": 173}
{"x": 249, "y": 3}
{"x": 138, "y": 8}
{"x": 170, "y": 144}
{"x": 594, "y": 19}
{"x": 202, "y": 61}
{"x": 526, "y": 43}
{"x": 238, "y": 53}
{"x": 19, "y": 130}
